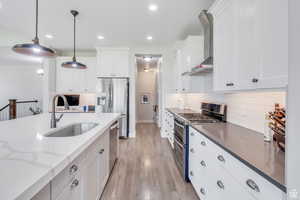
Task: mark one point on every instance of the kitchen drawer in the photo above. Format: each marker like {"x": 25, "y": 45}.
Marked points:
{"x": 71, "y": 191}
{"x": 223, "y": 186}
{"x": 64, "y": 178}
{"x": 254, "y": 183}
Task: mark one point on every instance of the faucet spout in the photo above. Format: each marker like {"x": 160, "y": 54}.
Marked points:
{"x": 54, "y": 120}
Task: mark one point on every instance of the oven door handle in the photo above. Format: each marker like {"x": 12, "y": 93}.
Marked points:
{"x": 178, "y": 143}
{"x": 177, "y": 124}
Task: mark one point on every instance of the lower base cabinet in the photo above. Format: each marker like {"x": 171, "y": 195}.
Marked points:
{"x": 85, "y": 177}
{"x": 216, "y": 175}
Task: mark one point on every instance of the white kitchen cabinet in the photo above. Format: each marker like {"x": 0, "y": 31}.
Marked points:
{"x": 44, "y": 194}
{"x": 225, "y": 38}
{"x": 103, "y": 163}
{"x": 95, "y": 171}
{"x": 76, "y": 80}
{"x": 215, "y": 174}
{"x": 72, "y": 191}
{"x": 250, "y": 52}
{"x": 168, "y": 126}
{"x": 112, "y": 62}
{"x": 188, "y": 54}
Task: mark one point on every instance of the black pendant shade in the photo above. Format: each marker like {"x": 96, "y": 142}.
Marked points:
{"x": 74, "y": 64}
{"x": 34, "y": 49}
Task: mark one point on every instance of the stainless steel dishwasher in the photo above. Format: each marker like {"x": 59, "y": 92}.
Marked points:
{"x": 113, "y": 144}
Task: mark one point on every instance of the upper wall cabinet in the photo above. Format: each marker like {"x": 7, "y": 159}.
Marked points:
{"x": 188, "y": 54}
{"x": 76, "y": 80}
{"x": 250, "y": 51}
{"x": 112, "y": 62}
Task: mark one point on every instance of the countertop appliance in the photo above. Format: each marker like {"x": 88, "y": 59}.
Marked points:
{"x": 112, "y": 96}
{"x": 210, "y": 113}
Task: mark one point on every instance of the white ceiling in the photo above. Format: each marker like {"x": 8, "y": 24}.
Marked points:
{"x": 121, "y": 22}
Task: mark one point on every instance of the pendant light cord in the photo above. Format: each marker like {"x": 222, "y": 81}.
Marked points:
{"x": 36, "y": 39}
{"x": 74, "y": 51}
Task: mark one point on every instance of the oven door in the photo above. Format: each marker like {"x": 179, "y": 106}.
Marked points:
{"x": 179, "y": 154}
{"x": 179, "y": 131}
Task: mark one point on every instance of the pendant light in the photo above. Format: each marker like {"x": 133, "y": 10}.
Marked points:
{"x": 34, "y": 49}
{"x": 74, "y": 64}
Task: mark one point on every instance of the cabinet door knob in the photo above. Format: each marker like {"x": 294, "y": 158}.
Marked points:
{"x": 220, "y": 185}
{"x": 202, "y": 190}
{"x": 75, "y": 183}
{"x": 252, "y": 185}
{"x": 203, "y": 164}
{"x": 203, "y": 143}
{"x": 192, "y": 150}
{"x": 192, "y": 134}
{"x": 229, "y": 84}
{"x": 73, "y": 169}
{"x": 254, "y": 80}
{"x": 101, "y": 151}
{"x": 221, "y": 158}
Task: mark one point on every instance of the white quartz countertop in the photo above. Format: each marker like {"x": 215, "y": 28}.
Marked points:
{"x": 28, "y": 161}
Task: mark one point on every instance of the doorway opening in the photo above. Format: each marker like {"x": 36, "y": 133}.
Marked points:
{"x": 147, "y": 88}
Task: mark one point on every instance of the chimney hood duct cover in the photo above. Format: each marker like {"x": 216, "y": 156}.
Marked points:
{"x": 206, "y": 20}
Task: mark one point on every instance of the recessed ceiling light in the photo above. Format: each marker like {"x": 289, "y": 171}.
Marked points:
{"x": 149, "y": 38}
{"x": 49, "y": 36}
{"x": 147, "y": 59}
{"x": 100, "y": 37}
{"x": 153, "y": 7}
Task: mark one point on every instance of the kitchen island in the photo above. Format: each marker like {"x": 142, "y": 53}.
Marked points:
{"x": 29, "y": 161}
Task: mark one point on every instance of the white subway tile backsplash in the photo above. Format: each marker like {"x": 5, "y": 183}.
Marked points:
{"x": 246, "y": 109}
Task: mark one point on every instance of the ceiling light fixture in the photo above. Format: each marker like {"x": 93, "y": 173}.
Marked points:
{"x": 74, "y": 64}
{"x": 49, "y": 36}
{"x": 149, "y": 37}
{"x": 40, "y": 71}
{"x": 100, "y": 37}
{"x": 153, "y": 7}
{"x": 34, "y": 49}
{"x": 147, "y": 59}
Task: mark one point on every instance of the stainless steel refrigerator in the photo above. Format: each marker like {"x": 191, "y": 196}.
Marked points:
{"x": 112, "y": 95}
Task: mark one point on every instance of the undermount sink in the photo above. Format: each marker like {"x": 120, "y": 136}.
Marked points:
{"x": 72, "y": 130}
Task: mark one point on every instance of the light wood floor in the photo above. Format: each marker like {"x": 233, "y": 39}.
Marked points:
{"x": 146, "y": 170}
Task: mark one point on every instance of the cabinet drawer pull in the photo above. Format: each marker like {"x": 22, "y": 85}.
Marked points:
{"x": 202, "y": 190}
{"x": 221, "y": 158}
{"x": 192, "y": 150}
{"x": 191, "y": 173}
{"x": 74, "y": 184}
{"x": 73, "y": 169}
{"x": 254, "y": 80}
{"x": 229, "y": 84}
{"x": 192, "y": 134}
{"x": 101, "y": 151}
{"x": 252, "y": 185}
{"x": 203, "y": 143}
{"x": 203, "y": 163}
{"x": 220, "y": 185}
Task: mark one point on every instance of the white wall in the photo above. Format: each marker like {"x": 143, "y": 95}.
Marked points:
{"x": 20, "y": 82}
{"x": 246, "y": 109}
{"x": 146, "y": 84}
{"x": 293, "y": 133}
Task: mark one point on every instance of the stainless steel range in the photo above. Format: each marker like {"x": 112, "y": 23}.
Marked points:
{"x": 210, "y": 113}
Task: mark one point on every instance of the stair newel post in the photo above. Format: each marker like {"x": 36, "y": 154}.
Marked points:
{"x": 12, "y": 109}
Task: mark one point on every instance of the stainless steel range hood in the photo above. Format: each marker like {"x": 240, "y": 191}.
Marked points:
{"x": 206, "y": 20}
